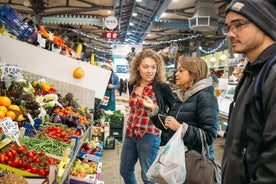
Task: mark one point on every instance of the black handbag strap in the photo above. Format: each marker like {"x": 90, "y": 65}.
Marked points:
{"x": 204, "y": 146}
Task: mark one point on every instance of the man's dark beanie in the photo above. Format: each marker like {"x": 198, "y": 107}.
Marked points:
{"x": 262, "y": 13}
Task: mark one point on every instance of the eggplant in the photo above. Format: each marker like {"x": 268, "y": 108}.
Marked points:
{"x": 56, "y": 118}
{"x": 72, "y": 121}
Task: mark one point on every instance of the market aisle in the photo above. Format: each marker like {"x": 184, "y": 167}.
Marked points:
{"x": 111, "y": 162}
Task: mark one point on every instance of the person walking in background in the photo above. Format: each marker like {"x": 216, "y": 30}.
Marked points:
{"x": 142, "y": 138}
{"x": 112, "y": 86}
{"x": 250, "y": 150}
{"x": 131, "y": 55}
{"x": 196, "y": 107}
{"x": 121, "y": 88}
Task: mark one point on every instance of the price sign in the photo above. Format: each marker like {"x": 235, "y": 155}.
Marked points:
{"x": 10, "y": 128}
{"x": 111, "y": 35}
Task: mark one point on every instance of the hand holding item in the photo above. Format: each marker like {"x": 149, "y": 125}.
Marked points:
{"x": 172, "y": 123}
{"x": 109, "y": 86}
{"x": 148, "y": 103}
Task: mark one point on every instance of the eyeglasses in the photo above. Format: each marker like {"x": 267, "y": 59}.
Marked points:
{"x": 234, "y": 27}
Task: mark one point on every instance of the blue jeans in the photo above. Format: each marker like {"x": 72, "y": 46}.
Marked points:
{"x": 145, "y": 149}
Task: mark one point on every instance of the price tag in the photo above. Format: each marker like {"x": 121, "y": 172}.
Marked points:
{"x": 11, "y": 70}
{"x": 10, "y": 128}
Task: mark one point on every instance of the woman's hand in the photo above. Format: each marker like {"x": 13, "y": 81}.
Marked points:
{"x": 148, "y": 103}
{"x": 172, "y": 123}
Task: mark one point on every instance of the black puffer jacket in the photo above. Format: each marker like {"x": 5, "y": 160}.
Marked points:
{"x": 199, "y": 111}
{"x": 256, "y": 165}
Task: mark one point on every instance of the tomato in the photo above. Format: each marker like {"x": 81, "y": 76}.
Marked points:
{"x": 41, "y": 153}
{"x": 3, "y": 158}
{"x": 21, "y": 149}
{"x": 29, "y": 166}
{"x": 46, "y": 171}
{"x": 34, "y": 170}
{"x": 36, "y": 160}
{"x": 62, "y": 134}
{"x": 9, "y": 154}
{"x": 30, "y": 154}
{"x": 51, "y": 161}
{"x": 42, "y": 172}
{"x": 14, "y": 152}
{"x": 16, "y": 162}
{"x": 13, "y": 146}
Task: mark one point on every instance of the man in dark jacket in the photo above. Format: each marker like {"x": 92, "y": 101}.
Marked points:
{"x": 250, "y": 148}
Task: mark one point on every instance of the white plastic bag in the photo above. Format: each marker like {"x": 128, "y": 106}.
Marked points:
{"x": 169, "y": 165}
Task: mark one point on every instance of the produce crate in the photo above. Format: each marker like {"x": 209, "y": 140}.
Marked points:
{"x": 117, "y": 119}
{"x": 15, "y": 24}
{"x": 117, "y": 133}
{"x": 109, "y": 143}
{"x": 117, "y": 122}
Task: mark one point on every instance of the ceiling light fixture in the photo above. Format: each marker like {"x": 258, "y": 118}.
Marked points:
{"x": 27, "y": 3}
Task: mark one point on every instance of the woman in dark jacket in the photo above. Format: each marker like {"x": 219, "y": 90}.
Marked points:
{"x": 142, "y": 138}
{"x": 196, "y": 107}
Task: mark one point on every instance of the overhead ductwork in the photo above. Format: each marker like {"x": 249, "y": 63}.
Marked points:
{"x": 205, "y": 18}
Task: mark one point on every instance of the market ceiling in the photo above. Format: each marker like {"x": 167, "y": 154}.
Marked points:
{"x": 155, "y": 24}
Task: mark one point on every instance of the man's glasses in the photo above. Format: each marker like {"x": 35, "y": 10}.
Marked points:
{"x": 234, "y": 27}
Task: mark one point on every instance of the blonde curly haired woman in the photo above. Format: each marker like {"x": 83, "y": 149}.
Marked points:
{"x": 142, "y": 140}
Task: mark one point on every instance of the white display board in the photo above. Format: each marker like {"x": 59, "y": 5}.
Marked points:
{"x": 52, "y": 65}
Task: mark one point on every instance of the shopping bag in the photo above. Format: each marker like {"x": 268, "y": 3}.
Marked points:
{"x": 200, "y": 168}
{"x": 169, "y": 165}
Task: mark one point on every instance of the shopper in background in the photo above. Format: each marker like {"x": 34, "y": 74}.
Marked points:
{"x": 196, "y": 107}
{"x": 142, "y": 138}
{"x": 112, "y": 85}
{"x": 131, "y": 54}
{"x": 250, "y": 147}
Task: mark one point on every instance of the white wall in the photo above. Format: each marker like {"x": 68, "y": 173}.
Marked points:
{"x": 52, "y": 65}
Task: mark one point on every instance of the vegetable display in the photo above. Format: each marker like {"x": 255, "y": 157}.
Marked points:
{"x": 24, "y": 158}
{"x": 45, "y": 144}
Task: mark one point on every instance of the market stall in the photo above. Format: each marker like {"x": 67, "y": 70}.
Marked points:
{"x": 49, "y": 115}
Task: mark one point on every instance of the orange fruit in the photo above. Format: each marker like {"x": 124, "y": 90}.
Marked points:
{"x": 3, "y": 109}
{"x": 5, "y": 101}
{"x": 14, "y": 107}
{"x": 78, "y": 72}
{"x": 2, "y": 115}
{"x": 20, "y": 118}
{"x": 11, "y": 114}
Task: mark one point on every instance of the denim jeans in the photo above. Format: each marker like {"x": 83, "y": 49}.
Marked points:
{"x": 145, "y": 149}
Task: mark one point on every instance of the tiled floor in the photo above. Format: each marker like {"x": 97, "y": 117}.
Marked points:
{"x": 111, "y": 160}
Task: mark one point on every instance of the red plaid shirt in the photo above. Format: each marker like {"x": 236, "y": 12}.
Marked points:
{"x": 139, "y": 122}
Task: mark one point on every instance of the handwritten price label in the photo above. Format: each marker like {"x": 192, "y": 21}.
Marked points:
{"x": 9, "y": 127}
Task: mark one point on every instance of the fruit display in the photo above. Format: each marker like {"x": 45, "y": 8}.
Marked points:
{"x": 57, "y": 123}
{"x": 82, "y": 168}
{"x": 91, "y": 147}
